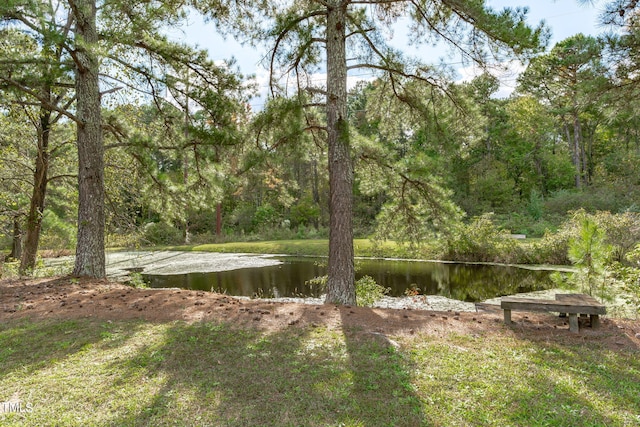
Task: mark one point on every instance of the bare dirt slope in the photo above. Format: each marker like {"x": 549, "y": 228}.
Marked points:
{"x": 70, "y": 298}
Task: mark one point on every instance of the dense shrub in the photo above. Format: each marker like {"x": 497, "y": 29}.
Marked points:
{"x": 597, "y": 198}
{"x": 481, "y": 241}
{"x": 202, "y": 221}
{"x": 525, "y": 224}
{"x": 162, "y": 233}
{"x": 56, "y": 232}
{"x": 265, "y": 216}
{"x": 122, "y": 240}
{"x": 629, "y": 276}
{"x": 305, "y": 213}
{"x": 622, "y": 232}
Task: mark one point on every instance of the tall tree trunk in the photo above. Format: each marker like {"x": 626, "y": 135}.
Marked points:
{"x": 36, "y": 207}
{"x": 90, "y": 254}
{"x": 185, "y": 172}
{"x": 341, "y": 272}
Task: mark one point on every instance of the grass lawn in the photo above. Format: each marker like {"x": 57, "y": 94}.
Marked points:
{"x": 312, "y": 247}
{"x": 89, "y": 372}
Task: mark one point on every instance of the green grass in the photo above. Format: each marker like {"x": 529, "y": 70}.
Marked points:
{"x": 131, "y": 373}
{"x": 314, "y": 247}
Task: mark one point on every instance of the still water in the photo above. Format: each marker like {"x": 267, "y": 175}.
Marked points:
{"x": 465, "y": 282}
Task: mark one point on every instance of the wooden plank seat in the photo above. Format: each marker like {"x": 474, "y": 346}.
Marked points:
{"x": 571, "y": 304}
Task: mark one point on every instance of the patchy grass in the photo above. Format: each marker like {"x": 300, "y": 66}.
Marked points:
{"x": 123, "y": 373}
{"x": 317, "y": 247}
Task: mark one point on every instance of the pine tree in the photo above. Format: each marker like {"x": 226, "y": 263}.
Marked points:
{"x": 338, "y": 36}
{"x": 111, "y": 45}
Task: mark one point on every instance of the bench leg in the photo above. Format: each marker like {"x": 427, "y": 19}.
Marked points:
{"x": 507, "y": 316}
{"x": 595, "y": 321}
{"x": 573, "y": 322}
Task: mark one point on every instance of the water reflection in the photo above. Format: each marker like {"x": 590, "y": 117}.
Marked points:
{"x": 459, "y": 281}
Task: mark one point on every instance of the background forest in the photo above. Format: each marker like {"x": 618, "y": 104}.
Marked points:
{"x": 187, "y": 161}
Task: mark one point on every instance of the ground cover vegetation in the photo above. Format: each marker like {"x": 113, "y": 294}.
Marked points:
{"x": 253, "y": 363}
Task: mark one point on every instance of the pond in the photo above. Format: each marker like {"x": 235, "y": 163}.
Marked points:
{"x": 464, "y": 282}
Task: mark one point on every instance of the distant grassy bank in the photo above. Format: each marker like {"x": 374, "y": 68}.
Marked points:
{"x": 315, "y": 247}
{"x": 89, "y": 372}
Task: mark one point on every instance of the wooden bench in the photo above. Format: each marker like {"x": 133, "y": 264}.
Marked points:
{"x": 571, "y": 304}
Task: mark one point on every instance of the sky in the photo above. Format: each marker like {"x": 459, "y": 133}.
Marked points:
{"x": 564, "y": 17}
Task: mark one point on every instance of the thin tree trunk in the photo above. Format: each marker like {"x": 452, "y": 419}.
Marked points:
{"x": 90, "y": 254}
{"x": 588, "y": 160}
{"x": 576, "y": 150}
{"x": 16, "y": 240}
{"x": 577, "y": 147}
{"x": 341, "y": 272}
{"x": 219, "y": 219}
{"x": 316, "y": 192}
{"x": 36, "y": 208}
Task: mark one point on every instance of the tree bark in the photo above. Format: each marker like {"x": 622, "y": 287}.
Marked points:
{"x": 316, "y": 192}
{"x": 36, "y": 207}
{"x": 577, "y": 140}
{"x": 577, "y": 137}
{"x": 16, "y": 240}
{"x": 90, "y": 254}
{"x": 341, "y": 272}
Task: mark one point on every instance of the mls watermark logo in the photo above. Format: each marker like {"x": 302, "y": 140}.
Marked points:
{"x": 15, "y": 407}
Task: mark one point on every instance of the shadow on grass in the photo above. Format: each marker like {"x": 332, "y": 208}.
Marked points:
{"x": 578, "y": 383}
{"x": 516, "y": 381}
{"x": 133, "y": 373}
{"x": 382, "y": 392}
{"x": 216, "y": 375}
{"x": 29, "y": 345}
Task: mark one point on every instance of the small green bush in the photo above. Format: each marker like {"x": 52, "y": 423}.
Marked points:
{"x": 590, "y": 253}
{"x": 136, "y": 281}
{"x": 368, "y": 291}
{"x": 161, "y": 233}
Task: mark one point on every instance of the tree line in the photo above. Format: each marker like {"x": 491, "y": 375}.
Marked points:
{"x": 113, "y": 127}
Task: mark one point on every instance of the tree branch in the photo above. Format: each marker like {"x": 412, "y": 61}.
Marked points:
{"x": 62, "y": 176}
{"x": 43, "y": 101}
{"x": 281, "y": 36}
